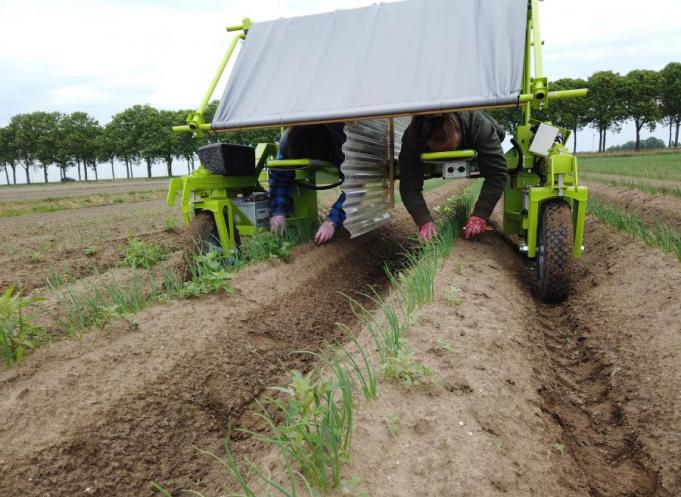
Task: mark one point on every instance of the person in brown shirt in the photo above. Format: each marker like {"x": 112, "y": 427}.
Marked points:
{"x": 443, "y": 132}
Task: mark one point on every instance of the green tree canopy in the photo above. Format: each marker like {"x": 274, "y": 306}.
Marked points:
{"x": 641, "y": 100}
{"x": 671, "y": 96}
{"x": 606, "y": 111}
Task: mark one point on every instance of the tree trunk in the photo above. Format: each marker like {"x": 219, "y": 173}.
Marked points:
{"x": 113, "y": 173}
{"x": 671, "y": 125}
{"x": 148, "y": 168}
{"x": 6, "y": 174}
{"x": 600, "y": 139}
{"x": 169, "y": 163}
{"x": 45, "y": 172}
{"x": 94, "y": 166}
{"x": 14, "y": 173}
{"x": 575, "y": 135}
{"x": 676, "y": 141}
{"x": 78, "y": 167}
{"x": 28, "y": 175}
{"x": 605, "y": 136}
{"x": 638, "y": 135}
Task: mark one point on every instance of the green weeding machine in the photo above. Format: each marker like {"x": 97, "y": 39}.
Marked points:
{"x": 350, "y": 74}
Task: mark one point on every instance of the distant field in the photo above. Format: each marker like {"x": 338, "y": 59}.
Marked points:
{"x": 44, "y": 191}
{"x": 665, "y": 166}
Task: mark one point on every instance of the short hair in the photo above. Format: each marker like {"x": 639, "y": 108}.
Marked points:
{"x": 308, "y": 142}
{"x": 435, "y": 128}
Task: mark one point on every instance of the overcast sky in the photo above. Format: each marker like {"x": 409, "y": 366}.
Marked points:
{"x": 103, "y": 56}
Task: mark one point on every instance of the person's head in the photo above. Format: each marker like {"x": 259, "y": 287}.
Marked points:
{"x": 308, "y": 142}
{"x": 438, "y": 133}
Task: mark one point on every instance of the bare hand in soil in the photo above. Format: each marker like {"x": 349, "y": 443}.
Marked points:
{"x": 324, "y": 233}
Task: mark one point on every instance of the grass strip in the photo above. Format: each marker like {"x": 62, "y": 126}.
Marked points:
{"x": 54, "y": 204}
{"x": 666, "y": 190}
{"x": 660, "y": 235}
{"x": 659, "y": 166}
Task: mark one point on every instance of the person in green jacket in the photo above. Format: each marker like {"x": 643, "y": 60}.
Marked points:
{"x": 443, "y": 132}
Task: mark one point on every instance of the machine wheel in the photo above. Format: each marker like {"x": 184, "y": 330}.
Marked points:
{"x": 554, "y": 251}
{"x": 203, "y": 234}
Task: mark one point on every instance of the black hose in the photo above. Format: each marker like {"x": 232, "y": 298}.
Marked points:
{"x": 521, "y": 157}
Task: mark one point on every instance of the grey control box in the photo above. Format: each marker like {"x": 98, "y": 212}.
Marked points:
{"x": 254, "y": 208}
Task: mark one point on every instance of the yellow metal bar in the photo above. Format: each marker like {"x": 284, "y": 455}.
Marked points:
{"x": 218, "y": 75}
{"x": 452, "y": 154}
{"x": 527, "y": 72}
{"x": 190, "y": 129}
{"x": 556, "y": 95}
{"x": 538, "y": 66}
{"x": 301, "y": 163}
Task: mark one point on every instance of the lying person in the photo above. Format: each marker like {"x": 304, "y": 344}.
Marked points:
{"x": 317, "y": 142}
{"x": 441, "y": 133}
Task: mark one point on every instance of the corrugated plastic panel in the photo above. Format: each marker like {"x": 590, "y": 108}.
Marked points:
{"x": 366, "y": 176}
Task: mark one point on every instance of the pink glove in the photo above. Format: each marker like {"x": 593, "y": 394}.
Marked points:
{"x": 325, "y": 233}
{"x": 278, "y": 223}
{"x": 474, "y": 227}
{"x": 427, "y": 231}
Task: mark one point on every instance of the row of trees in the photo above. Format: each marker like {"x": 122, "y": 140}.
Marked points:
{"x": 142, "y": 135}
{"x": 647, "y": 98}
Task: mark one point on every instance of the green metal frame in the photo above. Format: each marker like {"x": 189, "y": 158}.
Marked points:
{"x": 540, "y": 179}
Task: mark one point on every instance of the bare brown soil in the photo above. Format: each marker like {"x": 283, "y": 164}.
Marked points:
{"x": 77, "y": 189}
{"x": 106, "y": 415}
{"x": 35, "y": 246}
{"x": 651, "y": 208}
{"x": 577, "y": 399}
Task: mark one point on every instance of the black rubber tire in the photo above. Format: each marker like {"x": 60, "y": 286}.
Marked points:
{"x": 203, "y": 234}
{"x": 553, "y": 262}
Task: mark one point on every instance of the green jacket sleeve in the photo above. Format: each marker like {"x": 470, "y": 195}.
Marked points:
{"x": 411, "y": 180}
{"x": 486, "y": 140}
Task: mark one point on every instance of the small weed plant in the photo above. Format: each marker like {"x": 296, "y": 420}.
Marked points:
{"x": 18, "y": 331}
{"x": 143, "y": 254}
{"x": 391, "y": 422}
{"x": 209, "y": 275}
{"x": 452, "y": 295}
{"x": 404, "y": 369}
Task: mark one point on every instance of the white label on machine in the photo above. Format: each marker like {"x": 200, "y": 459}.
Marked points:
{"x": 544, "y": 140}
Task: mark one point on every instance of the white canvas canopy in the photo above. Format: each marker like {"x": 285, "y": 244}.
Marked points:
{"x": 408, "y": 57}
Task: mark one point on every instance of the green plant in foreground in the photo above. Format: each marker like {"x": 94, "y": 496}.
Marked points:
{"x": 209, "y": 275}
{"x": 143, "y": 254}
{"x": 317, "y": 426}
{"x": 18, "y": 332}
{"x": 89, "y": 251}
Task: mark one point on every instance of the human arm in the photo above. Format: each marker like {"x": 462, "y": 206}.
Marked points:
{"x": 492, "y": 163}
{"x": 411, "y": 180}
